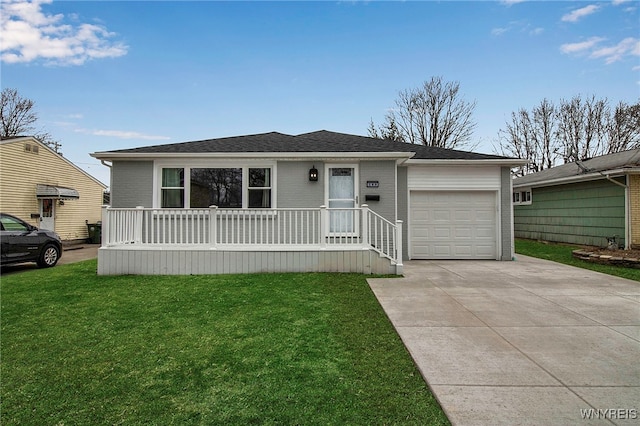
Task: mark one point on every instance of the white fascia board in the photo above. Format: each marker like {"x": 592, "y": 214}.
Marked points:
{"x": 512, "y": 162}
{"x": 578, "y": 178}
{"x": 285, "y": 156}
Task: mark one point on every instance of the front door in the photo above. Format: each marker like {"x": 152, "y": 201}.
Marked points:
{"x": 47, "y": 214}
{"x": 342, "y": 195}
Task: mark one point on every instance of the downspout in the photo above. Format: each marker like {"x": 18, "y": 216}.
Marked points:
{"x": 627, "y": 215}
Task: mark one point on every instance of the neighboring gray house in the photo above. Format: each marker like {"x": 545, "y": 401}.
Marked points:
{"x": 286, "y": 202}
{"x": 586, "y": 202}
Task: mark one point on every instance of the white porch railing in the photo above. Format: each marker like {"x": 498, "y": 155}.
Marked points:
{"x": 255, "y": 229}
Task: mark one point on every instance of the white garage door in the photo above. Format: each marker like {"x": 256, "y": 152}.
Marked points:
{"x": 453, "y": 225}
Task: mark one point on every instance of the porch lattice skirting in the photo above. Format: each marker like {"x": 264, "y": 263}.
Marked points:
{"x": 212, "y": 241}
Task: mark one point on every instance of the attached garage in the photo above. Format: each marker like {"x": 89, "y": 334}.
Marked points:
{"x": 458, "y": 212}
{"x": 453, "y": 225}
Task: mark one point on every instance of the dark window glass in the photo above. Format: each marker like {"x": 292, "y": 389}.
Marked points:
{"x": 219, "y": 187}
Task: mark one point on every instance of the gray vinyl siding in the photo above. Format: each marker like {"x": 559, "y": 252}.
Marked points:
{"x": 403, "y": 210}
{"x": 132, "y": 184}
{"x": 293, "y": 185}
{"x": 506, "y": 219}
{"x": 385, "y": 173}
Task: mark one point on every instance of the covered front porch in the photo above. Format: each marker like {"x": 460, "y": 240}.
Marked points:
{"x": 154, "y": 241}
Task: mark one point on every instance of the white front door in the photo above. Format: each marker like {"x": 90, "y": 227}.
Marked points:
{"x": 342, "y": 195}
{"x": 47, "y": 214}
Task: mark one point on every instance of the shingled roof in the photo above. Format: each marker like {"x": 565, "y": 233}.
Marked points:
{"x": 321, "y": 141}
{"x": 587, "y": 169}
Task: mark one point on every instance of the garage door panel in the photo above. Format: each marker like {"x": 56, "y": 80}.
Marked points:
{"x": 462, "y": 216}
{"x": 453, "y": 224}
{"x": 485, "y": 232}
{"x": 485, "y": 216}
{"x": 441, "y": 251}
{"x": 463, "y": 251}
{"x": 442, "y": 233}
{"x": 441, "y": 215}
{"x": 487, "y": 251}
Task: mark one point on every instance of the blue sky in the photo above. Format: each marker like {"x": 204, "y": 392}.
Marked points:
{"x": 109, "y": 75}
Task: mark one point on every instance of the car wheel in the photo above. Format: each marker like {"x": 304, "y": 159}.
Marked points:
{"x": 49, "y": 256}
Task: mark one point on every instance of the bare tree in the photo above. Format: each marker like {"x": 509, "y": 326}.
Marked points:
{"x": 531, "y": 135}
{"x": 434, "y": 114}
{"x": 19, "y": 119}
{"x": 516, "y": 140}
{"x": 388, "y": 130}
{"x": 581, "y": 127}
{"x": 623, "y": 128}
{"x": 577, "y": 129}
{"x": 544, "y": 129}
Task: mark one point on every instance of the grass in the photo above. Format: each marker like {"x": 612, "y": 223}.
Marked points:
{"x": 238, "y": 349}
{"x": 562, "y": 253}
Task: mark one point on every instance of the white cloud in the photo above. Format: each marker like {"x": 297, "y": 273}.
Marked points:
{"x": 628, "y": 47}
{"x": 594, "y": 49}
{"x": 578, "y": 14}
{"x": 518, "y": 26}
{"x": 499, "y": 31}
{"x": 124, "y": 134}
{"x": 29, "y": 34}
{"x": 581, "y": 46}
{"x": 619, "y": 2}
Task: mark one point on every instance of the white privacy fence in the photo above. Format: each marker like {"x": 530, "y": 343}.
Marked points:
{"x": 256, "y": 229}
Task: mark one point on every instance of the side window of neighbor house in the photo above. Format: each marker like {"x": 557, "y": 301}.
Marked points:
{"x": 522, "y": 197}
{"x": 259, "y": 188}
{"x": 221, "y": 187}
{"x": 172, "y": 191}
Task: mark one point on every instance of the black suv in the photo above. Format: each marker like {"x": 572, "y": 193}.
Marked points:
{"x": 21, "y": 242}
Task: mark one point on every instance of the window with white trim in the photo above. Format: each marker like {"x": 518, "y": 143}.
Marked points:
{"x": 172, "y": 189}
{"x": 225, "y": 187}
{"x": 522, "y": 197}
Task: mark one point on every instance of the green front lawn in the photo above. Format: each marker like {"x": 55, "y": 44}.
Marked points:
{"x": 242, "y": 349}
{"x": 561, "y": 253}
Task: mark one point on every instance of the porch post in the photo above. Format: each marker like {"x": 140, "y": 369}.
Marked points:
{"x": 399, "y": 247}
{"x": 213, "y": 228}
{"x": 365, "y": 225}
{"x": 137, "y": 225}
{"x": 324, "y": 221}
{"x": 105, "y": 226}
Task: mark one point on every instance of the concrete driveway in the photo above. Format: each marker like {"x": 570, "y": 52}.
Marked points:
{"x": 528, "y": 342}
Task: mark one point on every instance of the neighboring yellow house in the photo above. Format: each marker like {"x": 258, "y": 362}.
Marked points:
{"x": 47, "y": 190}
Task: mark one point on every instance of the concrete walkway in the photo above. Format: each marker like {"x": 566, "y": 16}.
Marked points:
{"x": 529, "y": 342}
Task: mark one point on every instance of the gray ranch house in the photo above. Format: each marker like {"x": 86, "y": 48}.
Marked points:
{"x": 320, "y": 201}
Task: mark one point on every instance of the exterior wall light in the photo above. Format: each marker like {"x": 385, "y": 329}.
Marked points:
{"x": 313, "y": 174}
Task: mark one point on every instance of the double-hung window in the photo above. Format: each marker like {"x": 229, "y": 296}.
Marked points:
{"x": 259, "y": 188}
{"x": 225, "y": 187}
{"x": 172, "y": 189}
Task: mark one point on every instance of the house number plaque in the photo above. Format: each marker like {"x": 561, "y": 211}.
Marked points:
{"x": 372, "y": 184}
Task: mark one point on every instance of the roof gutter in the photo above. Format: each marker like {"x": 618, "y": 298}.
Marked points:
{"x": 109, "y": 156}
{"x": 579, "y": 178}
{"x": 449, "y": 162}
